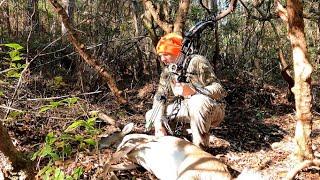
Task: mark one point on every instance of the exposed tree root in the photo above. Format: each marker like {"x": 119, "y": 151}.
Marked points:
{"x": 307, "y": 163}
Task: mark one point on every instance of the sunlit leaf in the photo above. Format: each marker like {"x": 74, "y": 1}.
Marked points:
{"x": 75, "y": 125}
{"x": 66, "y": 137}
{"x": 77, "y": 173}
{"x": 91, "y": 121}
{"x": 47, "y": 170}
{"x": 90, "y": 141}
{"x": 14, "y": 46}
{"x": 14, "y": 54}
{"x": 50, "y": 138}
{"x": 13, "y": 74}
{"x": 78, "y": 137}
{"x": 35, "y": 155}
{"x": 16, "y": 58}
{"x": 45, "y": 108}
{"x": 71, "y": 101}
{"x": 46, "y": 150}
{"x": 54, "y": 156}
{"x": 58, "y": 174}
{"x": 55, "y": 104}
{"x": 13, "y": 65}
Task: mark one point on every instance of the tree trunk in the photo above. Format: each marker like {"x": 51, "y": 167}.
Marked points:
{"x": 318, "y": 56}
{"x": 181, "y": 16}
{"x": 16, "y": 18}
{"x": 213, "y": 5}
{"x": 165, "y": 26}
{"x": 91, "y": 61}
{"x": 17, "y": 160}
{"x": 68, "y": 5}
{"x": 136, "y": 22}
{"x": 148, "y": 25}
{"x": 302, "y": 77}
{"x": 6, "y": 13}
{"x": 33, "y": 16}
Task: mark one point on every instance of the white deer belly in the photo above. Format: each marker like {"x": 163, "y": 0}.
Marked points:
{"x": 162, "y": 157}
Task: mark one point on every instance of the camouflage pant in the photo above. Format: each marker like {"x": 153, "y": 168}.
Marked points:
{"x": 201, "y": 112}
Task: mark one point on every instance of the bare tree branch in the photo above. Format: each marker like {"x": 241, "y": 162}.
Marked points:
{"x": 164, "y": 25}
{"x": 181, "y": 16}
{"x": 227, "y": 11}
{"x": 263, "y": 16}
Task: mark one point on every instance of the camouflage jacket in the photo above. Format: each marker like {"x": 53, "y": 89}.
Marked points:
{"x": 199, "y": 74}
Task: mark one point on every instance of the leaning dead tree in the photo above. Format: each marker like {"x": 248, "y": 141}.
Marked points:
{"x": 86, "y": 56}
{"x": 293, "y": 16}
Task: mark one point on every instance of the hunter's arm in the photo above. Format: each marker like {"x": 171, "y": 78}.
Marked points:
{"x": 207, "y": 78}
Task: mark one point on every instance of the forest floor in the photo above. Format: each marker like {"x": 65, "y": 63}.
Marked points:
{"x": 256, "y": 134}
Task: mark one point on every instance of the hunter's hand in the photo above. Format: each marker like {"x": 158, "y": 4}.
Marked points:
{"x": 183, "y": 89}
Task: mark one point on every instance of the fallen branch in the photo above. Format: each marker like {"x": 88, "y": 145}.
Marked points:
{"x": 106, "y": 118}
{"x": 60, "y": 97}
{"x": 305, "y": 164}
{"x": 10, "y": 108}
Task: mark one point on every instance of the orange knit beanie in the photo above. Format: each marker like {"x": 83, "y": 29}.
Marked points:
{"x": 170, "y": 43}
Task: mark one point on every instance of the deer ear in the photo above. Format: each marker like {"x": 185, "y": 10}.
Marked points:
{"x": 127, "y": 129}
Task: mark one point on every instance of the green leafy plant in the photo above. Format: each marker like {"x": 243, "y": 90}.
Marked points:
{"x": 57, "y": 146}
{"x": 51, "y": 172}
{"x": 16, "y": 114}
{"x": 55, "y": 104}
{"x": 78, "y": 135}
{"x": 47, "y": 150}
{"x": 14, "y": 60}
{"x": 58, "y": 81}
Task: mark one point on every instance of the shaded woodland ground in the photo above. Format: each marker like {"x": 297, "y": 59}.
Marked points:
{"x": 52, "y": 115}
{"x": 256, "y": 134}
